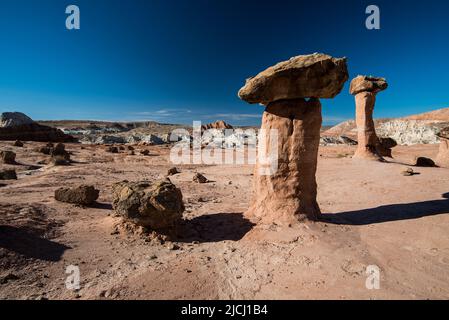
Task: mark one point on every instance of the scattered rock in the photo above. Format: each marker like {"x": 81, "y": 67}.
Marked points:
{"x": 8, "y": 157}
{"x": 172, "y": 171}
{"x": 145, "y": 152}
{"x": 156, "y": 205}
{"x": 59, "y": 161}
{"x": 18, "y": 143}
{"x": 408, "y": 172}
{"x": 424, "y": 162}
{"x": 199, "y": 178}
{"x": 83, "y": 195}
{"x": 173, "y": 246}
{"x": 7, "y": 174}
{"x": 385, "y": 145}
{"x": 8, "y": 277}
{"x": 112, "y": 149}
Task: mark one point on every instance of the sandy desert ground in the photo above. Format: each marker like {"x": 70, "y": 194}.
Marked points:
{"x": 373, "y": 216}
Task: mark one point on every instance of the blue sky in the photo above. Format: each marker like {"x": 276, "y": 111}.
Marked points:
{"x": 181, "y": 60}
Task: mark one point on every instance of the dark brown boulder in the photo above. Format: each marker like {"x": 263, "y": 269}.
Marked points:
{"x": 425, "y": 162}
{"x": 83, "y": 195}
{"x": 199, "y": 178}
{"x": 7, "y": 157}
{"x": 7, "y": 174}
{"x": 172, "y": 171}
{"x": 155, "y": 205}
{"x": 112, "y": 149}
{"x": 18, "y": 143}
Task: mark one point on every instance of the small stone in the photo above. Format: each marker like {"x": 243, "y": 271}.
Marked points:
{"x": 18, "y": 143}
{"x": 145, "y": 152}
{"x": 173, "y": 246}
{"x": 425, "y": 162}
{"x": 8, "y": 157}
{"x": 172, "y": 171}
{"x": 7, "y": 174}
{"x": 199, "y": 178}
{"x": 112, "y": 149}
{"x": 408, "y": 172}
{"x": 83, "y": 195}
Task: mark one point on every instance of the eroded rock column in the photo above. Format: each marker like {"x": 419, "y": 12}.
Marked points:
{"x": 290, "y": 91}
{"x": 443, "y": 153}
{"x": 365, "y": 90}
{"x": 290, "y": 193}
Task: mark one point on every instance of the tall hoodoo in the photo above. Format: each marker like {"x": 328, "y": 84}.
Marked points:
{"x": 290, "y": 91}
{"x": 365, "y": 90}
{"x": 443, "y": 154}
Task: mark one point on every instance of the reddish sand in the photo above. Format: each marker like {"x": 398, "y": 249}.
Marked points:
{"x": 375, "y": 216}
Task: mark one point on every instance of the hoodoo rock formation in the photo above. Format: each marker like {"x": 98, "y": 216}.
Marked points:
{"x": 291, "y": 91}
{"x": 18, "y": 126}
{"x": 443, "y": 154}
{"x": 365, "y": 90}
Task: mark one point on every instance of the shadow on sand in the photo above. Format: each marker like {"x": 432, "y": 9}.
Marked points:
{"x": 30, "y": 245}
{"x": 389, "y": 213}
{"x": 214, "y": 228}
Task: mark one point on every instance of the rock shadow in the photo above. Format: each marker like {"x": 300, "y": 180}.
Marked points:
{"x": 30, "y": 245}
{"x": 214, "y": 228}
{"x": 390, "y": 213}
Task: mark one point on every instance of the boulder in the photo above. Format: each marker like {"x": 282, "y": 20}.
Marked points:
{"x": 8, "y": 157}
{"x": 199, "y": 178}
{"x": 18, "y": 126}
{"x": 82, "y": 195}
{"x": 424, "y": 162}
{"x": 306, "y": 76}
{"x": 155, "y": 205}
{"x": 18, "y": 143}
{"x": 7, "y": 174}
{"x": 385, "y": 145}
{"x": 367, "y": 84}
{"x": 112, "y": 149}
{"x": 145, "y": 152}
{"x": 172, "y": 171}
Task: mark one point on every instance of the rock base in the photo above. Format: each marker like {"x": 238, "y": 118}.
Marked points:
{"x": 289, "y": 194}
{"x": 367, "y": 139}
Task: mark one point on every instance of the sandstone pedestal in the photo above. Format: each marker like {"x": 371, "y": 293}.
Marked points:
{"x": 366, "y": 132}
{"x": 288, "y": 193}
{"x": 365, "y": 89}
{"x": 443, "y": 154}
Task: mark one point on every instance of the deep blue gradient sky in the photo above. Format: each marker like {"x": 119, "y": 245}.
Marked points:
{"x": 179, "y": 60}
